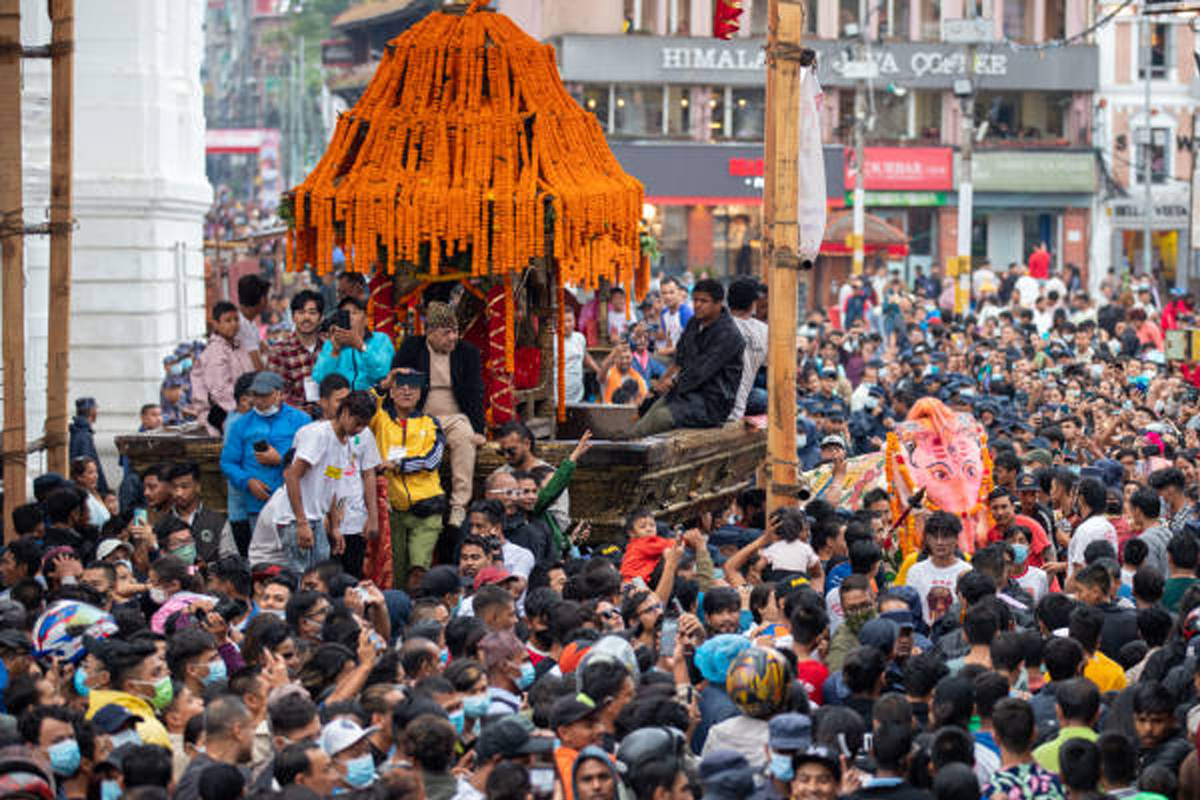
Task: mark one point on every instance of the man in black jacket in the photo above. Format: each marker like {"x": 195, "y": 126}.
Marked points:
{"x": 82, "y": 442}
{"x": 700, "y": 389}
{"x": 453, "y": 395}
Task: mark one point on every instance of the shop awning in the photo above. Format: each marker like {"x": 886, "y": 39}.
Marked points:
{"x": 878, "y": 236}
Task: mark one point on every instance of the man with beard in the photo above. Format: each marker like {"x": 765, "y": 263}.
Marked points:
{"x": 294, "y": 356}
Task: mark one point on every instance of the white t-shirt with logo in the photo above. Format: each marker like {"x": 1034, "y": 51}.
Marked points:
{"x": 329, "y": 460}
{"x": 935, "y": 583}
{"x": 350, "y": 488}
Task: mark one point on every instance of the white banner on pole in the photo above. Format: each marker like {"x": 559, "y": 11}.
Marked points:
{"x": 811, "y": 164}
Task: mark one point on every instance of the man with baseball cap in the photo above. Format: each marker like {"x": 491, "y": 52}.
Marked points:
{"x": 453, "y": 395}
{"x": 349, "y": 745}
{"x": 507, "y": 738}
{"x": 252, "y": 456}
{"x": 573, "y": 720}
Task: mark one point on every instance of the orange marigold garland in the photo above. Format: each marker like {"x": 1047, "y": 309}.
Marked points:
{"x": 461, "y": 139}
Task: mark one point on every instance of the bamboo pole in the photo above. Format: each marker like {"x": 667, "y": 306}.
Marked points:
{"x": 12, "y": 244}
{"x": 62, "y": 35}
{"x": 780, "y": 221}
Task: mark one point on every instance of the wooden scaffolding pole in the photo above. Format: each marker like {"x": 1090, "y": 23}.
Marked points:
{"x": 785, "y": 25}
{"x": 62, "y": 82}
{"x": 12, "y": 245}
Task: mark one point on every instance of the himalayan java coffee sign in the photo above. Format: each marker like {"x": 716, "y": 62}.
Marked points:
{"x": 932, "y": 65}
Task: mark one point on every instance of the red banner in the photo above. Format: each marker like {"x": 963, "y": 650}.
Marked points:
{"x": 904, "y": 169}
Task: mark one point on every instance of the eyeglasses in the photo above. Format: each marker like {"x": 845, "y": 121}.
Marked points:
{"x": 651, "y": 609}
{"x": 610, "y": 612}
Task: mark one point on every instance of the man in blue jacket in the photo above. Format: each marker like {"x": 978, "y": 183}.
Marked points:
{"x": 252, "y": 457}
{"x": 363, "y": 357}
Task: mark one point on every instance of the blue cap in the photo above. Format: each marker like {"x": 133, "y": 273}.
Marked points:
{"x": 789, "y": 732}
{"x": 112, "y": 717}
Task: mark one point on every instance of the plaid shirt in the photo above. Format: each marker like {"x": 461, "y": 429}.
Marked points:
{"x": 293, "y": 362}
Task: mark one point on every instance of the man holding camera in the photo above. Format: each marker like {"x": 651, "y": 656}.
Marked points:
{"x": 353, "y": 350}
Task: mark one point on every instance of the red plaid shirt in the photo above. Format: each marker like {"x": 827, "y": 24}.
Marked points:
{"x": 293, "y": 362}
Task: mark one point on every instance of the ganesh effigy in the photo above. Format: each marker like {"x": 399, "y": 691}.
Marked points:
{"x": 944, "y": 453}
{"x": 936, "y": 450}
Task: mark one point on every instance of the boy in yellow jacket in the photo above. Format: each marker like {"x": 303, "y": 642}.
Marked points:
{"x": 411, "y": 445}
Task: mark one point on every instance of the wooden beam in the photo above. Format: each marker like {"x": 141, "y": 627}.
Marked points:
{"x": 785, "y": 26}
{"x": 12, "y": 245}
{"x": 62, "y": 89}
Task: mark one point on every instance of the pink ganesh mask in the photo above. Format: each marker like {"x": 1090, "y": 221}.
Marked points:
{"x": 944, "y": 454}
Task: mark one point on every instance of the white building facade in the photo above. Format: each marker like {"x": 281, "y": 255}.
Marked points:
{"x": 1128, "y": 133}
{"x": 140, "y": 195}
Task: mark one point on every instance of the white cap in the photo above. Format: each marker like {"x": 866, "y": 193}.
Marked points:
{"x": 109, "y": 546}
{"x": 342, "y": 733}
{"x": 833, "y": 440}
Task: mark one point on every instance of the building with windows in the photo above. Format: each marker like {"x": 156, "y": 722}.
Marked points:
{"x": 674, "y": 100}
{"x": 684, "y": 113}
{"x": 1137, "y": 142}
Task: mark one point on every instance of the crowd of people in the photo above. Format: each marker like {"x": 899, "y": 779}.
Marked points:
{"x": 361, "y": 621}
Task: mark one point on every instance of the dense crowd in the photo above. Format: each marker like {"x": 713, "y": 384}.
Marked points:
{"x": 361, "y": 621}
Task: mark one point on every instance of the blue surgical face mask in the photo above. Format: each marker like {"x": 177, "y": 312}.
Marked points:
{"x": 476, "y": 705}
{"x": 127, "y": 736}
{"x": 459, "y": 720}
{"x": 185, "y": 365}
{"x": 270, "y": 412}
{"x": 80, "y": 682}
{"x": 528, "y": 673}
{"x": 176, "y": 368}
{"x": 64, "y": 757}
{"x": 1020, "y": 553}
{"x": 216, "y": 672}
{"x": 360, "y": 771}
{"x": 110, "y": 790}
{"x": 781, "y": 767}
{"x": 444, "y": 656}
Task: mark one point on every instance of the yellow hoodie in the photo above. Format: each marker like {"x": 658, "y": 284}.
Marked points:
{"x": 150, "y": 729}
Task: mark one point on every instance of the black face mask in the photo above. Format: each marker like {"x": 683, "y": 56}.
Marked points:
{"x": 542, "y": 638}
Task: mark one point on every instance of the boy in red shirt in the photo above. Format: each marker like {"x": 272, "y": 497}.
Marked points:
{"x": 645, "y": 547}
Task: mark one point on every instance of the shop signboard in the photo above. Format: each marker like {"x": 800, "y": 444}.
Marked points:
{"x": 904, "y": 169}
{"x": 742, "y": 62}
{"x": 1169, "y": 210}
{"x": 901, "y": 199}
{"x": 1038, "y": 171}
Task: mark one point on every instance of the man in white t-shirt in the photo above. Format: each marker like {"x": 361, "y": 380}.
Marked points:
{"x": 742, "y": 295}
{"x": 674, "y": 317}
{"x": 324, "y": 456}
{"x": 935, "y": 579}
{"x": 253, "y": 291}
{"x": 356, "y": 492}
{"x": 1095, "y": 526}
